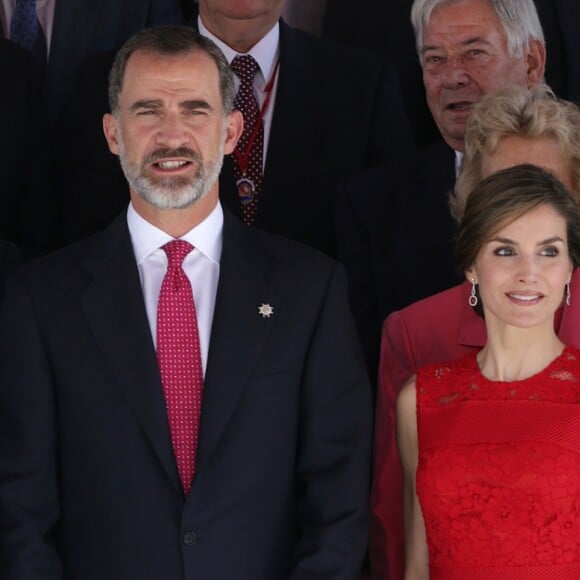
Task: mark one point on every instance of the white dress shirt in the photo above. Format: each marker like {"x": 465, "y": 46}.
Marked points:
{"x": 44, "y": 13}
{"x": 266, "y": 52}
{"x": 201, "y": 266}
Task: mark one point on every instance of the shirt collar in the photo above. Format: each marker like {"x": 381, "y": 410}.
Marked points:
{"x": 265, "y": 51}
{"x": 206, "y": 236}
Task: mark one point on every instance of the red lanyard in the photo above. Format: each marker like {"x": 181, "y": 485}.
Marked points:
{"x": 243, "y": 157}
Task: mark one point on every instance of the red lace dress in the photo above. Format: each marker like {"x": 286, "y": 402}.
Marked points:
{"x": 499, "y": 471}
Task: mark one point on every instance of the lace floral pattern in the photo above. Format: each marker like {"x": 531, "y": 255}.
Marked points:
{"x": 499, "y": 465}
{"x": 559, "y": 382}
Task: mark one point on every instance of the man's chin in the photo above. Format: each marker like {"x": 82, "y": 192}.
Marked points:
{"x": 454, "y": 134}
{"x": 169, "y": 198}
{"x": 170, "y": 184}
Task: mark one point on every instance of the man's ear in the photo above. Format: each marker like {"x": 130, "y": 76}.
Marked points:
{"x": 234, "y": 128}
{"x": 536, "y": 60}
{"x": 111, "y": 132}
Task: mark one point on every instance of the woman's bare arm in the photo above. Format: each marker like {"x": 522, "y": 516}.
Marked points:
{"x": 416, "y": 554}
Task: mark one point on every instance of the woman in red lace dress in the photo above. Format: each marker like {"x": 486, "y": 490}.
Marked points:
{"x": 490, "y": 444}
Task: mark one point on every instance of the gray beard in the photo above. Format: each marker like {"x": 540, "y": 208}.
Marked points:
{"x": 172, "y": 192}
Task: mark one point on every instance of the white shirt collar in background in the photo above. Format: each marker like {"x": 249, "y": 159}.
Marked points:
{"x": 265, "y": 51}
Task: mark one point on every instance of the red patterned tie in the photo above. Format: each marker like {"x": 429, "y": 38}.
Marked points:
{"x": 179, "y": 358}
{"x": 250, "y": 149}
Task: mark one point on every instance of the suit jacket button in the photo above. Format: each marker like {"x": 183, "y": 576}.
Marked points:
{"x": 189, "y": 538}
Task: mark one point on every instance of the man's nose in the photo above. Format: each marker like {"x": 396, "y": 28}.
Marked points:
{"x": 454, "y": 72}
{"x": 172, "y": 131}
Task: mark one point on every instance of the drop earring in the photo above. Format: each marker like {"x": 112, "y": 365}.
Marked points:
{"x": 473, "y": 296}
{"x": 568, "y": 293}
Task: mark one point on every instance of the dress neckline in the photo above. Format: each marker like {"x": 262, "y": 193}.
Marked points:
{"x": 474, "y": 366}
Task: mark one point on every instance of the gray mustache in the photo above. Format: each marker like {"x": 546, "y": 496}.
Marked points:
{"x": 183, "y": 152}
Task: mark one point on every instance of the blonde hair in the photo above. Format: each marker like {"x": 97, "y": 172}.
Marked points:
{"x": 525, "y": 112}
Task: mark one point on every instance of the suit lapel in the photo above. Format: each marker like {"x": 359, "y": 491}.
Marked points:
{"x": 239, "y": 332}
{"x": 228, "y": 190}
{"x": 114, "y": 307}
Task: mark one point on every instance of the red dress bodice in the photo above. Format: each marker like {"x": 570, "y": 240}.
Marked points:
{"x": 499, "y": 471}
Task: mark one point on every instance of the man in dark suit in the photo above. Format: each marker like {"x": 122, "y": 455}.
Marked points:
{"x": 96, "y": 478}
{"x": 384, "y": 26}
{"x": 334, "y": 110}
{"x": 394, "y": 230}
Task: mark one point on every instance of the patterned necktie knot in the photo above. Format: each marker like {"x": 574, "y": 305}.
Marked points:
{"x": 176, "y": 251}
{"x": 245, "y": 67}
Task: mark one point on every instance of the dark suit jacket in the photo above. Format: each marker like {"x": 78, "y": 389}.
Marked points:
{"x": 560, "y": 20}
{"x": 9, "y": 257}
{"x": 437, "y": 329}
{"x": 394, "y": 235}
{"x": 384, "y": 26}
{"x": 89, "y": 489}
{"x": 27, "y": 207}
{"x": 337, "y": 111}
{"x": 84, "y": 28}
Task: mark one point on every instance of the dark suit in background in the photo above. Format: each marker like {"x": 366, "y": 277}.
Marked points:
{"x": 84, "y": 28}
{"x": 561, "y": 22}
{"x": 29, "y": 184}
{"x": 305, "y": 15}
{"x": 337, "y": 111}
{"x": 395, "y": 237}
{"x": 384, "y": 27}
{"x": 27, "y": 206}
{"x": 9, "y": 257}
{"x": 89, "y": 489}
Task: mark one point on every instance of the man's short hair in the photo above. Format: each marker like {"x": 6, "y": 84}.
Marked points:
{"x": 519, "y": 19}
{"x": 530, "y": 113}
{"x": 171, "y": 41}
